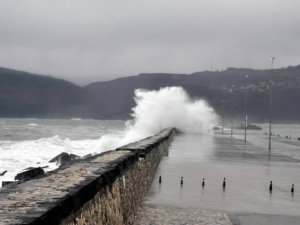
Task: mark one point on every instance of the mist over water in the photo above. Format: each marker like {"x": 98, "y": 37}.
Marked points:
{"x": 32, "y": 142}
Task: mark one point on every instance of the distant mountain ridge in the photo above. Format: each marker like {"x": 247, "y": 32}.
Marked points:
{"x": 24, "y": 94}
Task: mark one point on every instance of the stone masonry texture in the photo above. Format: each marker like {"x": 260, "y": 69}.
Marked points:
{"x": 106, "y": 189}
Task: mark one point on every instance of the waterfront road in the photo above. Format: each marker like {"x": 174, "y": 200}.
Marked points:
{"x": 248, "y": 169}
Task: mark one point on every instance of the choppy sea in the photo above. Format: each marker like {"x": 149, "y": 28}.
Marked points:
{"x": 33, "y": 142}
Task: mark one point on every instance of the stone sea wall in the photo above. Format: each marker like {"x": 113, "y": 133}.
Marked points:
{"x": 105, "y": 189}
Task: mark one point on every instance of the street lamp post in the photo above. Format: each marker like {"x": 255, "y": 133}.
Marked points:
{"x": 270, "y": 103}
{"x": 222, "y": 102}
{"x": 231, "y": 111}
{"x": 223, "y": 109}
{"x": 246, "y": 110}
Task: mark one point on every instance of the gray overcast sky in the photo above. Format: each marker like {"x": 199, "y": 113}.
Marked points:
{"x": 91, "y": 40}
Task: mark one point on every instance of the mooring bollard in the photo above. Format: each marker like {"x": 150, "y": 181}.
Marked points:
{"x": 292, "y": 189}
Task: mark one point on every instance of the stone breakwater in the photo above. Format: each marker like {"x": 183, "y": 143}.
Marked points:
{"x": 105, "y": 189}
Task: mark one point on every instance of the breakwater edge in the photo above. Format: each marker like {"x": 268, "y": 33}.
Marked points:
{"x": 104, "y": 189}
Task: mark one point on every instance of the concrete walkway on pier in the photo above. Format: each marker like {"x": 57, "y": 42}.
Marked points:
{"x": 248, "y": 170}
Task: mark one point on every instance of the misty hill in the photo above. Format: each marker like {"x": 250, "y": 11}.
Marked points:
{"x": 215, "y": 87}
{"x": 119, "y": 93}
{"x": 27, "y": 95}
{"x": 24, "y": 94}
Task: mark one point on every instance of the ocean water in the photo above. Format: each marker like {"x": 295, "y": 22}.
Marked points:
{"x": 33, "y": 142}
{"x": 281, "y": 129}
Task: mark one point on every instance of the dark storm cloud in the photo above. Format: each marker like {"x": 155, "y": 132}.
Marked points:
{"x": 89, "y": 40}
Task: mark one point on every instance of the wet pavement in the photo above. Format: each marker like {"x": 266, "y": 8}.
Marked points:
{"x": 156, "y": 215}
{"x": 248, "y": 169}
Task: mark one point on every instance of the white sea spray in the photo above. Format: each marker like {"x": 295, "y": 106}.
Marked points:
{"x": 154, "y": 111}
